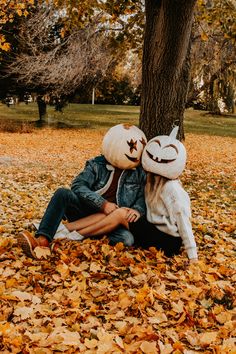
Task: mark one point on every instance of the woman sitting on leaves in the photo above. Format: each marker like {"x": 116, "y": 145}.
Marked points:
{"x": 168, "y": 224}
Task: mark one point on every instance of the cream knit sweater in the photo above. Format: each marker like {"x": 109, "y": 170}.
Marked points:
{"x": 168, "y": 208}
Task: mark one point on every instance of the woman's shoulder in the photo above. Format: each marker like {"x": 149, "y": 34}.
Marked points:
{"x": 174, "y": 187}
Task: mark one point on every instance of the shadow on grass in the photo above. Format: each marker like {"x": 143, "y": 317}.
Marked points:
{"x": 75, "y": 116}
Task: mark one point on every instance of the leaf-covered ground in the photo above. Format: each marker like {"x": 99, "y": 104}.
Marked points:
{"x": 90, "y": 297}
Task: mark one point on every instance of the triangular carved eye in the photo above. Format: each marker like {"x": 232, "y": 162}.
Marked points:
{"x": 142, "y": 141}
{"x": 132, "y": 145}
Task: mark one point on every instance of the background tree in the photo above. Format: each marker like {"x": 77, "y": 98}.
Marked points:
{"x": 57, "y": 65}
{"x": 12, "y": 15}
{"x": 165, "y": 74}
{"x": 9, "y": 11}
{"x": 166, "y": 53}
{"x": 213, "y": 74}
{"x": 120, "y": 85}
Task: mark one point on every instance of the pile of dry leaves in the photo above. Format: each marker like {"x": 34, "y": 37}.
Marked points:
{"x": 88, "y": 297}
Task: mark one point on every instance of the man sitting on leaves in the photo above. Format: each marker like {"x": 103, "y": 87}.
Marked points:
{"x": 104, "y": 198}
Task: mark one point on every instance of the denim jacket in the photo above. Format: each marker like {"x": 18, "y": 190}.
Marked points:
{"x": 95, "y": 179}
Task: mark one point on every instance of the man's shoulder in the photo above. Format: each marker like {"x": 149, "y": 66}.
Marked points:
{"x": 100, "y": 160}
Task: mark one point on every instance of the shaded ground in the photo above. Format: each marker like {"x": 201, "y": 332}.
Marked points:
{"x": 92, "y": 298}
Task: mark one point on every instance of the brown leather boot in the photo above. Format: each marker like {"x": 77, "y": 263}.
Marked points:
{"x": 28, "y": 243}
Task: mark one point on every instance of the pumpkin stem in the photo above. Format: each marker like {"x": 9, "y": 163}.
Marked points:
{"x": 174, "y": 132}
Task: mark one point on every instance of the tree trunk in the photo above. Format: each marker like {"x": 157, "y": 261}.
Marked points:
{"x": 42, "y": 108}
{"x": 166, "y": 65}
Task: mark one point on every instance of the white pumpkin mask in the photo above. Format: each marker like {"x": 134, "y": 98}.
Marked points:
{"x": 164, "y": 155}
{"x": 123, "y": 145}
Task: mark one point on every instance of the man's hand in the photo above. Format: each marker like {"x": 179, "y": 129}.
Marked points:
{"x": 132, "y": 215}
{"x": 108, "y": 207}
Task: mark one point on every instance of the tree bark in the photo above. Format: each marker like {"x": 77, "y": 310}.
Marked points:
{"x": 166, "y": 65}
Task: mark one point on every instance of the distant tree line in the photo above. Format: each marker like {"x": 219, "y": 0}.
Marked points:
{"x": 164, "y": 55}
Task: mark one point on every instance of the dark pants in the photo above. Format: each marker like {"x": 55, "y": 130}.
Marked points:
{"x": 147, "y": 235}
{"x": 65, "y": 204}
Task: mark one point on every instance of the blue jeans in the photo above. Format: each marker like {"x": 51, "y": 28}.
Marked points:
{"x": 65, "y": 204}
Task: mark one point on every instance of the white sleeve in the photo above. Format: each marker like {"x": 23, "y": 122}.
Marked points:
{"x": 186, "y": 233}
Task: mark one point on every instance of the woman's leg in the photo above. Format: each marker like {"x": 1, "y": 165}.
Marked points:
{"x": 106, "y": 224}
{"x": 85, "y": 222}
{"x": 147, "y": 235}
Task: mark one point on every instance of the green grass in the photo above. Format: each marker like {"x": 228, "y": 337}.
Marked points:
{"x": 102, "y": 116}
{"x": 200, "y": 122}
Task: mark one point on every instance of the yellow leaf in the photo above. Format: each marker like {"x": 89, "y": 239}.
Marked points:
{"x": 121, "y": 326}
{"x": 22, "y": 295}
{"x": 29, "y": 215}
{"x": 11, "y": 283}
{"x": 227, "y": 36}
{"x": 2, "y": 228}
{"x": 178, "y": 307}
{"x": 165, "y": 348}
{"x": 17, "y": 342}
{"x": 159, "y": 318}
{"x": 62, "y": 32}
{"x": 8, "y": 297}
{"x": 24, "y": 312}
{"x": 178, "y": 346}
{"x": 124, "y": 300}
{"x": 204, "y": 36}
{"x": 19, "y": 12}
{"x": 223, "y": 317}
{"x": 95, "y": 267}
{"x": 63, "y": 269}
{"x": 148, "y": 347}
{"x": 5, "y": 46}
{"x": 91, "y": 343}
{"x": 142, "y": 294}
{"x": 119, "y": 342}
{"x": 119, "y": 246}
{"x": 207, "y": 338}
{"x": 5, "y": 328}
{"x": 71, "y": 338}
{"x": 42, "y": 252}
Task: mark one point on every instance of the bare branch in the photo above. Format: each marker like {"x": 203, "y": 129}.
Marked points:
{"x": 59, "y": 65}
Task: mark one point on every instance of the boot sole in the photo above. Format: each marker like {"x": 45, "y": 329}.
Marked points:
{"x": 25, "y": 244}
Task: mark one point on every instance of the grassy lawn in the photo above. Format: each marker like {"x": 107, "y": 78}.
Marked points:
{"x": 99, "y": 116}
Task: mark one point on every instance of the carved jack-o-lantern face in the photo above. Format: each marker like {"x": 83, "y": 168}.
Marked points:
{"x": 165, "y": 156}
{"x": 123, "y": 146}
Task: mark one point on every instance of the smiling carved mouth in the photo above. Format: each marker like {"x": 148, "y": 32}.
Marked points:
{"x": 133, "y": 159}
{"x": 159, "y": 161}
